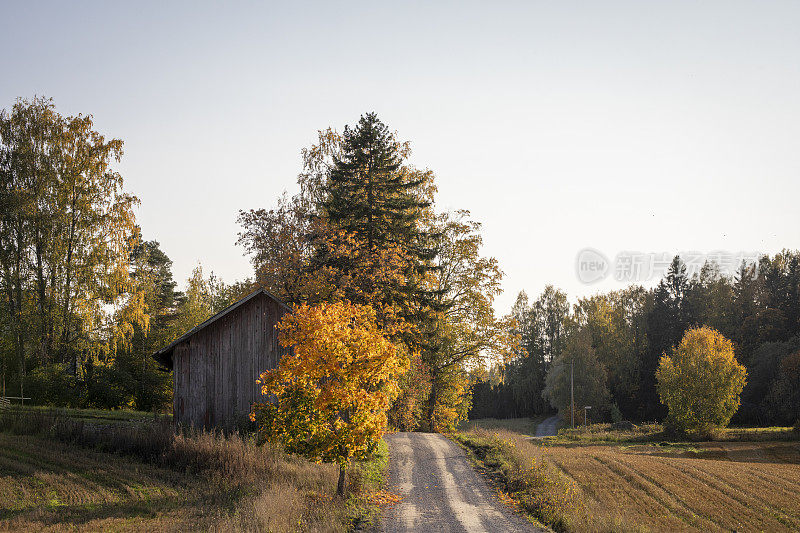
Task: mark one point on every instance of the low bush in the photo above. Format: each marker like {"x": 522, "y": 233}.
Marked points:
{"x": 54, "y": 384}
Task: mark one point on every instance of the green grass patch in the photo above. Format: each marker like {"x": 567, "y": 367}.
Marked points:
{"x": 604, "y": 434}
{"x": 98, "y": 416}
{"x": 525, "y": 425}
{"x": 365, "y": 480}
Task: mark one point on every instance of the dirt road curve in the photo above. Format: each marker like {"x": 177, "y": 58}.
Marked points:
{"x": 440, "y": 491}
{"x": 548, "y": 427}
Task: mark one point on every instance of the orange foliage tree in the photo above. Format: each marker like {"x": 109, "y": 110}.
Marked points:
{"x": 330, "y": 394}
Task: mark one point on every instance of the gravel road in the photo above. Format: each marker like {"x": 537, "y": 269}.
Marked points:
{"x": 440, "y": 491}
{"x": 547, "y": 428}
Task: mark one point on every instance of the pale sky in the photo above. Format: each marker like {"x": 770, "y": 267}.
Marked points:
{"x": 655, "y": 127}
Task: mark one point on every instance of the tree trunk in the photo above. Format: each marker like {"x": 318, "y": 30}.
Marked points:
{"x": 66, "y": 316}
{"x": 370, "y": 206}
{"x": 432, "y": 399}
{"x": 41, "y": 291}
{"x": 341, "y": 487}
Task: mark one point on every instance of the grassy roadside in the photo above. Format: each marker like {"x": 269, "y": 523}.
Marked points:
{"x": 59, "y": 473}
{"x": 524, "y": 479}
{"x": 366, "y": 479}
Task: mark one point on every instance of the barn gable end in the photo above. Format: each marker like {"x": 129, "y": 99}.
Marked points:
{"x": 216, "y": 364}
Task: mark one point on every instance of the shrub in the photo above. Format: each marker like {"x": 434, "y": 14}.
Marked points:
{"x": 701, "y": 383}
{"x": 616, "y": 414}
{"x": 54, "y": 385}
{"x": 108, "y": 387}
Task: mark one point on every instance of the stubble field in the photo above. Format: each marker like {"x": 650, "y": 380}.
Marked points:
{"x": 713, "y": 486}
{"x": 600, "y": 480}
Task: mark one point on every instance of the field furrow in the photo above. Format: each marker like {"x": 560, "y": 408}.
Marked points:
{"x": 717, "y": 504}
{"x": 668, "y": 489}
{"x": 755, "y": 492}
{"x": 659, "y": 490}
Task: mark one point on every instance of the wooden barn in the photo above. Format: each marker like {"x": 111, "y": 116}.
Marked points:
{"x": 216, "y": 364}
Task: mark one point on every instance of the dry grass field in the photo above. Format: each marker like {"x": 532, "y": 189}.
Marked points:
{"x": 625, "y": 485}
{"x": 78, "y": 477}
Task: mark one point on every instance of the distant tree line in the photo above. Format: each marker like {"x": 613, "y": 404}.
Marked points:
{"x": 614, "y": 342}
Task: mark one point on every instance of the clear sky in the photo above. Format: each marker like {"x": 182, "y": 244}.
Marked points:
{"x": 649, "y": 126}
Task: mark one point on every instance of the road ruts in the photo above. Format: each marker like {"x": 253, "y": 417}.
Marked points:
{"x": 440, "y": 491}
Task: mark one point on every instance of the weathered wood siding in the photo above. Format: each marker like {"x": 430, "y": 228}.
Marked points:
{"x": 215, "y": 370}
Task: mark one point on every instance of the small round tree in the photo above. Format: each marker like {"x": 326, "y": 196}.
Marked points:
{"x": 330, "y": 394}
{"x": 578, "y": 368}
{"x": 701, "y": 382}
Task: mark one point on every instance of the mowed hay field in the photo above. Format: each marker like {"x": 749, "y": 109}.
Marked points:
{"x": 742, "y": 486}
{"x": 51, "y": 486}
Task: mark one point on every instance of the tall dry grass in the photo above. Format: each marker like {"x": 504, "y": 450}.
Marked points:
{"x": 514, "y": 463}
{"x": 526, "y": 426}
{"x": 244, "y": 487}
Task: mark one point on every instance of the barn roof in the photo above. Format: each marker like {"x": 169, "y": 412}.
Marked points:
{"x": 164, "y": 355}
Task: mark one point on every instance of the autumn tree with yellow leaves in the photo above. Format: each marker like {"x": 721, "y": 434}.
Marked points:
{"x": 701, "y": 382}
{"x": 464, "y": 332}
{"x": 68, "y": 235}
{"x": 328, "y": 397}
{"x": 364, "y": 229}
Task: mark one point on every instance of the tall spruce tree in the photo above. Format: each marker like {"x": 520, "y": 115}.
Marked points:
{"x": 371, "y": 195}
{"x": 666, "y": 322}
{"x": 368, "y": 193}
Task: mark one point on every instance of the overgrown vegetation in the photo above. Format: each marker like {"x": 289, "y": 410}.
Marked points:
{"x": 197, "y": 479}
{"x": 537, "y": 487}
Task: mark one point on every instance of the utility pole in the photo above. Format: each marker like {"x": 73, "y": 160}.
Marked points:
{"x": 571, "y": 389}
{"x": 572, "y": 392}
